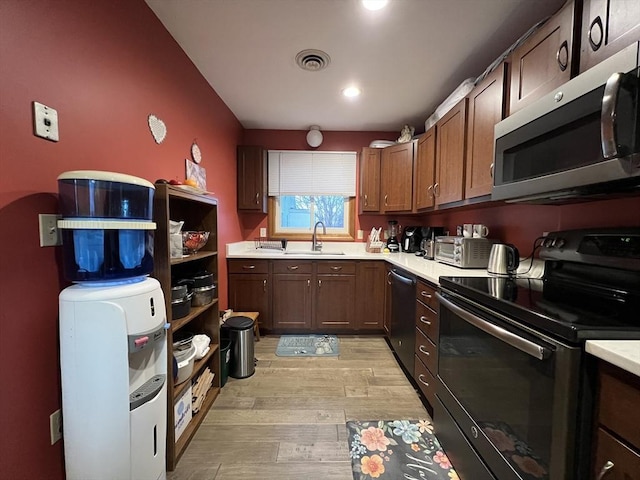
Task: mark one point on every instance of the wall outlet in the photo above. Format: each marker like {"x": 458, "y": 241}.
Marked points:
{"x": 360, "y": 235}
{"x": 55, "y": 426}
{"x": 45, "y": 122}
{"x": 49, "y": 233}
{"x": 263, "y": 232}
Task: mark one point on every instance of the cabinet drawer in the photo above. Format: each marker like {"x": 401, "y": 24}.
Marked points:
{"x": 425, "y": 380}
{"x": 248, "y": 266}
{"x": 427, "y": 294}
{"x": 427, "y": 321}
{"x": 336, "y": 268}
{"x": 619, "y": 400}
{"x": 626, "y": 462}
{"x": 292, "y": 266}
{"x": 427, "y": 351}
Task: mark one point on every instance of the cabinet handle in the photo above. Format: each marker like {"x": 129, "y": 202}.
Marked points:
{"x": 385, "y": 200}
{"x": 248, "y": 267}
{"x": 420, "y": 378}
{"x": 423, "y": 350}
{"x": 366, "y": 201}
{"x": 293, "y": 267}
{"x": 425, "y": 294}
{"x": 595, "y": 36}
{"x": 436, "y": 189}
{"x": 308, "y": 283}
{"x": 491, "y": 167}
{"x": 605, "y": 469}
{"x": 264, "y": 285}
{"x": 389, "y": 278}
{"x": 424, "y": 320}
{"x": 336, "y": 268}
{"x": 319, "y": 284}
{"x": 429, "y": 191}
{"x": 257, "y": 198}
{"x": 563, "y": 62}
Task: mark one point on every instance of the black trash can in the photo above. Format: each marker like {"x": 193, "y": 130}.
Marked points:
{"x": 240, "y": 332}
{"x": 225, "y": 360}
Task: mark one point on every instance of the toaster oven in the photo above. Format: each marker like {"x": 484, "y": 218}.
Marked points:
{"x": 463, "y": 252}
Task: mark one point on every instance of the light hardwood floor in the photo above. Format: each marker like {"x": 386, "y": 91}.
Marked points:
{"x": 287, "y": 421}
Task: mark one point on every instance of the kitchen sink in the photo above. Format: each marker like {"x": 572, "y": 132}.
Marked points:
{"x": 313, "y": 252}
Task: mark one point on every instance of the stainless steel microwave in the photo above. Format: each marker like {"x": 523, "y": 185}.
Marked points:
{"x": 581, "y": 139}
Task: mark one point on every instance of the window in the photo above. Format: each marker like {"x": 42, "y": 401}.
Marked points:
{"x": 305, "y": 188}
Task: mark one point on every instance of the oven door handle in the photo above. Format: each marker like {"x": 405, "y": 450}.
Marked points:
{"x": 500, "y": 333}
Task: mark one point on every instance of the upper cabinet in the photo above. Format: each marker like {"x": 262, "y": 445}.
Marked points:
{"x": 544, "y": 61}
{"x": 396, "y": 177}
{"x": 370, "y": 180}
{"x": 450, "y": 155}
{"x": 424, "y": 171}
{"x": 252, "y": 179}
{"x": 486, "y": 108}
{"x": 608, "y": 26}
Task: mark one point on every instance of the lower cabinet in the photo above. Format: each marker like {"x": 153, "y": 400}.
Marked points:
{"x": 306, "y": 295}
{"x": 617, "y": 436}
{"x": 426, "y": 353}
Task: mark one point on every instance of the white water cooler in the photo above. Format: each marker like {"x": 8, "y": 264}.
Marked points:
{"x": 113, "y": 356}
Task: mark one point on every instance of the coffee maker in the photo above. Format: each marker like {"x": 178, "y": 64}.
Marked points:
{"x": 428, "y": 243}
{"x": 411, "y": 239}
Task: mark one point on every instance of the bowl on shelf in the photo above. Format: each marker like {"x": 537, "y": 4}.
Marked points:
{"x": 192, "y": 241}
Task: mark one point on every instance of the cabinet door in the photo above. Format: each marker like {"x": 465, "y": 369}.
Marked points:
{"x": 397, "y": 178}
{"x": 486, "y": 108}
{"x": 544, "y": 61}
{"x": 424, "y": 171}
{"x": 250, "y": 293}
{"x": 335, "y": 308}
{"x": 370, "y": 180}
{"x": 292, "y": 301}
{"x": 608, "y": 26}
{"x": 450, "y": 151}
{"x": 252, "y": 178}
{"x": 369, "y": 297}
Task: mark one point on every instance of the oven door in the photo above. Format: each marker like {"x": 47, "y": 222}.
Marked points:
{"x": 512, "y": 393}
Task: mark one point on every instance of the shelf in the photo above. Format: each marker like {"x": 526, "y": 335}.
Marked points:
{"x": 194, "y": 257}
{"x": 193, "y": 313}
{"x": 195, "y": 422}
{"x": 198, "y": 366}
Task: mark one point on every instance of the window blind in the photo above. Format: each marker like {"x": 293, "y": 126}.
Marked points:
{"x": 312, "y": 173}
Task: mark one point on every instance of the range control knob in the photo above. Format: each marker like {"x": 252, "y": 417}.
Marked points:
{"x": 559, "y": 242}
{"x": 548, "y": 242}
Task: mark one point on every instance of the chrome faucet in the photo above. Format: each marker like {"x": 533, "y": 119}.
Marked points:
{"x": 316, "y": 245}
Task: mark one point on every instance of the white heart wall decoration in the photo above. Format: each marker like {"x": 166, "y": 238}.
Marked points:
{"x": 158, "y": 128}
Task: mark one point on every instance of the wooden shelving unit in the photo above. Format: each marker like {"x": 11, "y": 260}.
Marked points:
{"x": 199, "y": 212}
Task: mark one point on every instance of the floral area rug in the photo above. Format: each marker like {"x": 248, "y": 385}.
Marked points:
{"x": 397, "y": 449}
{"x": 308, "y": 346}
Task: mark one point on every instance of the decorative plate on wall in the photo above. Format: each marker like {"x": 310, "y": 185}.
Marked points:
{"x": 158, "y": 128}
{"x": 196, "y": 155}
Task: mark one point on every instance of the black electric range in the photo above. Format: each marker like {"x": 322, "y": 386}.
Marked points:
{"x": 590, "y": 289}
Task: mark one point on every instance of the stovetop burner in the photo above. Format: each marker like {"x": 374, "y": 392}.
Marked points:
{"x": 587, "y": 292}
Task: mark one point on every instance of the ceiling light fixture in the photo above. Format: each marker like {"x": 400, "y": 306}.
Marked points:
{"x": 374, "y": 4}
{"x": 351, "y": 92}
{"x": 314, "y": 136}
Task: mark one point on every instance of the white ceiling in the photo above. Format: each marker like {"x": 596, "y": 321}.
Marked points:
{"x": 406, "y": 58}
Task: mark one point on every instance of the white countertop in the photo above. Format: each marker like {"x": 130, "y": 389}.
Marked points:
{"x": 621, "y": 353}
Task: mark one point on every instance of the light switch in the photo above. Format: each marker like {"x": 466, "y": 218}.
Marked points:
{"x": 45, "y": 122}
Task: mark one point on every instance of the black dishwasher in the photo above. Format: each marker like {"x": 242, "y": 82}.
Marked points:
{"x": 403, "y": 312}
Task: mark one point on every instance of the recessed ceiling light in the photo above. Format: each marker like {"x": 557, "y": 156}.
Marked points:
{"x": 351, "y": 92}
{"x": 374, "y": 4}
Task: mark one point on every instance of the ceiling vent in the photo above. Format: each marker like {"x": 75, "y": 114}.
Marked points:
{"x": 313, "y": 60}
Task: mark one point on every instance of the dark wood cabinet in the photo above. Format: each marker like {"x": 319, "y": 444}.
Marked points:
{"x": 424, "y": 171}
{"x": 292, "y": 294}
{"x": 370, "y": 180}
{"x": 335, "y": 291}
{"x": 397, "y": 178}
{"x": 252, "y": 178}
{"x": 450, "y": 154}
{"x": 617, "y": 436}
{"x": 199, "y": 212}
{"x": 370, "y": 294}
{"x": 486, "y": 108}
{"x": 544, "y": 61}
{"x": 250, "y": 289}
{"x": 608, "y": 26}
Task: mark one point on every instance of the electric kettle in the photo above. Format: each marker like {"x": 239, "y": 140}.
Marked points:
{"x": 503, "y": 259}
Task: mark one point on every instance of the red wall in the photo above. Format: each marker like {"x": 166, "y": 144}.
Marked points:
{"x": 105, "y": 66}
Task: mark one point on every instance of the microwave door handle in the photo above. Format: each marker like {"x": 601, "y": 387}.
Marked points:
{"x": 522, "y": 344}
{"x": 608, "y": 116}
